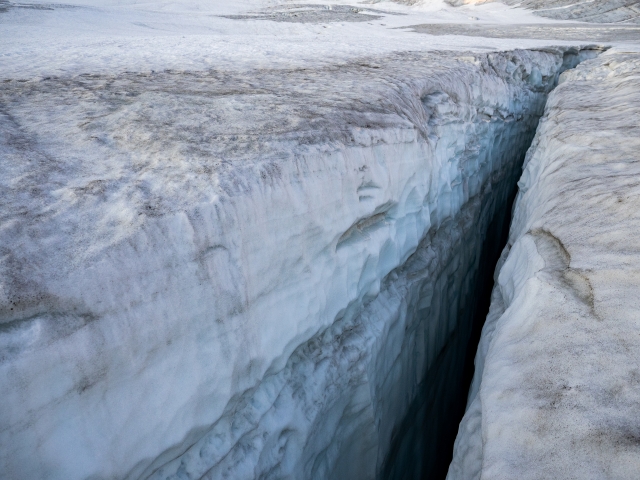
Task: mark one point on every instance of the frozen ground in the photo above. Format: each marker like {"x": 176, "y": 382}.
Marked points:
{"x": 240, "y": 239}
{"x": 558, "y": 396}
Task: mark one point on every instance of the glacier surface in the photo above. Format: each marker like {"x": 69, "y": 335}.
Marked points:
{"x": 555, "y": 393}
{"x": 182, "y": 305}
{"x": 246, "y": 239}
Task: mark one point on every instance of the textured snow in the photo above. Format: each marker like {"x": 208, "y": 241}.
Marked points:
{"x": 556, "y": 388}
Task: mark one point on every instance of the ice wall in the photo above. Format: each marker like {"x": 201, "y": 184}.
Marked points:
{"x": 232, "y": 275}
{"x": 555, "y": 389}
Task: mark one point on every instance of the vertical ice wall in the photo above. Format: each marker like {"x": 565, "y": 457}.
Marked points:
{"x": 210, "y": 275}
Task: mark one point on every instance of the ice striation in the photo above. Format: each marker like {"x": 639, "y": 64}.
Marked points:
{"x": 264, "y": 274}
{"x": 555, "y": 393}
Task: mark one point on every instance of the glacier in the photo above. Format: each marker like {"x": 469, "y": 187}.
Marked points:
{"x": 256, "y": 239}
{"x": 555, "y": 388}
{"x": 174, "y": 308}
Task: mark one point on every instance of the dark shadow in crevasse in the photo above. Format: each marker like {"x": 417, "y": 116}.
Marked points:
{"x": 423, "y": 445}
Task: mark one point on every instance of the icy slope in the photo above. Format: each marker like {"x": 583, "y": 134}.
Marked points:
{"x": 214, "y": 269}
{"x": 556, "y": 392}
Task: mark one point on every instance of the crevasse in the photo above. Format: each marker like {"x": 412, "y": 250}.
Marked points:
{"x": 378, "y": 393}
{"x": 303, "y": 317}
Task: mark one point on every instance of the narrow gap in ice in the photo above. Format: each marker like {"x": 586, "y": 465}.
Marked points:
{"x": 447, "y": 383}
{"x": 436, "y": 411}
{"x": 312, "y": 319}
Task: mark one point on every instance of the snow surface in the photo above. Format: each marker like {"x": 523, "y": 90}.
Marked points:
{"x": 568, "y": 31}
{"x": 102, "y": 36}
{"x": 555, "y": 394}
{"x": 227, "y": 243}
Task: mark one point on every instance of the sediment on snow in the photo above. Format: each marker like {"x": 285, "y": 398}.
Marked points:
{"x": 555, "y": 389}
{"x": 212, "y": 274}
